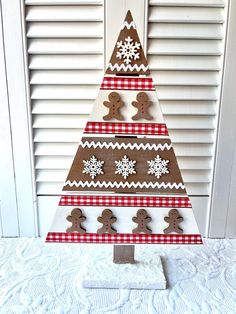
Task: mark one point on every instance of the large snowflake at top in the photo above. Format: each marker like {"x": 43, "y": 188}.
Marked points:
{"x": 128, "y": 50}
{"x": 93, "y": 167}
{"x": 158, "y": 166}
{"x": 125, "y": 167}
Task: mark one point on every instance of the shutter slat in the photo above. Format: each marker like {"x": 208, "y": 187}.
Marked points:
{"x": 188, "y": 15}
{"x": 69, "y": 30}
{"x": 187, "y": 78}
{"x": 64, "y": 92}
{"x": 175, "y": 107}
{"x": 64, "y": 2}
{"x": 65, "y": 62}
{"x": 80, "y": 77}
{"x": 187, "y": 93}
{"x": 189, "y": 3}
{"x": 64, "y": 13}
{"x": 62, "y": 106}
{"x": 57, "y": 135}
{"x": 60, "y": 121}
{"x": 192, "y": 31}
{"x": 65, "y": 46}
{"x": 184, "y": 47}
{"x": 196, "y": 63}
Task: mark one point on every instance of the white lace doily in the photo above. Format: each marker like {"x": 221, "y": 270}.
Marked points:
{"x": 44, "y": 278}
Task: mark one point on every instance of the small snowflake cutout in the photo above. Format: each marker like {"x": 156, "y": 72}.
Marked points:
{"x": 158, "y": 166}
{"x": 125, "y": 167}
{"x": 93, "y": 167}
{"x": 128, "y": 50}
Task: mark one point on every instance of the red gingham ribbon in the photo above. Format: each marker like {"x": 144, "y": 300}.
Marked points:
{"x": 127, "y": 83}
{"x": 124, "y": 201}
{"x": 124, "y": 238}
{"x": 126, "y": 128}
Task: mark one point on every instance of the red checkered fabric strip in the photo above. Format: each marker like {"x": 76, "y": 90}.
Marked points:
{"x": 125, "y": 201}
{"x": 126, "y": 128}
{"x": 127, "y": 83}
{"x": 124, "y": 238}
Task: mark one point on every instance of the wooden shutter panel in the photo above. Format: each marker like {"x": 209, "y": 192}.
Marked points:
{"x": 66, "y": 63}
{"x": 185, "y": 51}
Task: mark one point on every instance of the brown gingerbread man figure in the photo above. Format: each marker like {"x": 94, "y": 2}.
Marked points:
{"x": 114, "y": 104}
{"x": 174, "y": 219}
{"x": 107, "y": 219}
{"x": 142, "y": 219}
{"x": 76, "y": 218}
{"x": 142, "y": 104}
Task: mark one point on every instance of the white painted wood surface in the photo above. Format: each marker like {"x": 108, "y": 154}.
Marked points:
{"x": 48, "y": 205}
{"x": 8, "y": 206}
{"x": 19, "y": 117}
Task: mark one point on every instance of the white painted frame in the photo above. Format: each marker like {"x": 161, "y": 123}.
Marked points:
{"x": 8, "y": 206}
{"x": 20, "y": 122}
{"x": 223, "y": 211}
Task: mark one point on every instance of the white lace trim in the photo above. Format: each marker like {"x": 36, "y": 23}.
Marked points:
{"x": 128, "y": 25}
{"x": 148, "y": 146}
{"x": 127, "y": 67}
{"x": 126, "y": 184}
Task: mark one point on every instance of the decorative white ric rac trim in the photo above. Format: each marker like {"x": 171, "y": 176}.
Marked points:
{"x": 128, "y": 25}
{"x": 127, "y": 67}
{"x": 115, "y": 184}
{"x": 147, "y": 146}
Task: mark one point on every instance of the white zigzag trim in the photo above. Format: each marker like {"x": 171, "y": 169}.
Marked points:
{"x": 128, "y": 67}
{"x": 128, "y": 25}
{"x": 126, "y": 184}
{"x": 126, "y": 145}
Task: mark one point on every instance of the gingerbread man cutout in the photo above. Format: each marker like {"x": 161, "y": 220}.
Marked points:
{"x": 114, "y": 104}
{"x": 142, "y": 219}
{"x": 142, "y": 104}
{"x": 76, "y": 218}
{"x": 174, "y": 219}
{"x": 107, "y": 219}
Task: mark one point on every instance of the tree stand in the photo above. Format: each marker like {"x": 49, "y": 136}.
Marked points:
{"x": 123, "y": 254}
{"x": 124, "y": 272}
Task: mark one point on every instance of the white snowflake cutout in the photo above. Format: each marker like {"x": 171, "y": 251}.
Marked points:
{"x": 93, "y": 167}
{"x": 158, "y": 166}
{"x": 128, "y": 50}
{"x": 125, "y": 167}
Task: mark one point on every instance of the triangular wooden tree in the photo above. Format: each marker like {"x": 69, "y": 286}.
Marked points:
{"x": 124, "y": 185}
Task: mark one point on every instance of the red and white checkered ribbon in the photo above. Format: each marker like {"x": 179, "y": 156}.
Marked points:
{"x": 126, "y": 128}
{"x": 121, "y": 83}
{"x": 124, "y": 201}
{"x": 124, "y": 238}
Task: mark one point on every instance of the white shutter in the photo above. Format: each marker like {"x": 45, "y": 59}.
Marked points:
{"x": 185, "y": 50}
{"x": 66, "y": 63}
{"x": 185, "y": 47}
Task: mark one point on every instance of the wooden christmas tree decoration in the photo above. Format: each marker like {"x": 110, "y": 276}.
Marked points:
{"x": 125, "y": 173}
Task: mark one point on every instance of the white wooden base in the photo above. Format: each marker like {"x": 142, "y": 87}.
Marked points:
{"x": 146, "y": 273}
